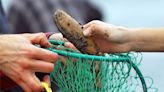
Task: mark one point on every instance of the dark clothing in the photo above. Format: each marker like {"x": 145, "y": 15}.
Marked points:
{"x": 4, "y": 28}
{"x": 37, "y": 15}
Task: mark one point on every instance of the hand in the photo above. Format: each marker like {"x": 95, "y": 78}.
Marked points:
{"x": 20, "y": 59}
{"x": 108, "y": 37}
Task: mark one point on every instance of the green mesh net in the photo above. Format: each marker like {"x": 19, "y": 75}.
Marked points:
{"x": 90, "y": 73}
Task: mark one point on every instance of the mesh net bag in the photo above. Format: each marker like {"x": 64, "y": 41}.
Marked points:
{"x": 90, "y": 73}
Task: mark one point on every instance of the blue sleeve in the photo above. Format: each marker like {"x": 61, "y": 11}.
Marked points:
{"x": 4, "y": 28}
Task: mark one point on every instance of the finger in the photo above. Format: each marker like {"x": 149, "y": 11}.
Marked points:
{"x": 18, "y": 80}
{"x": 47, "y": 80}
{"x": 43, "y": 54}
{"x": 70, "y": 45}
{"x": 32, "y": 81}
{"x": 41, "y": 39}
{"x": 95, "y": 30}
{"x": 24, "y": 86}
{"x": 41, "y": 66}
{"x": 14, "y": 73}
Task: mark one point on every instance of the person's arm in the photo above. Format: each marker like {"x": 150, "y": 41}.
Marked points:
{"x": 111, "y": 38}
{"x": 146, "y": 39}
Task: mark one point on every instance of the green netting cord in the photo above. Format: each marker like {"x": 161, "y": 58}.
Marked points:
{"x": 90, "y": 73}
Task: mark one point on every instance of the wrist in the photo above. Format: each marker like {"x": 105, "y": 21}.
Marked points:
{"x": 127, "y": 38}
{"x": 121, "y": 36}
{"x": 130, "y": 39}
{"x": 146, "y": 39}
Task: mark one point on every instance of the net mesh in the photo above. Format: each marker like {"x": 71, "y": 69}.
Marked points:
{"x": 90, "y": 73}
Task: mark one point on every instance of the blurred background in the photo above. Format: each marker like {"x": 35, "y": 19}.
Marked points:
{"x": 132, "y": 13}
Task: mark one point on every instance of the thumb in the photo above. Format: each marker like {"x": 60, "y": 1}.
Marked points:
{"x": 37, "y": 38}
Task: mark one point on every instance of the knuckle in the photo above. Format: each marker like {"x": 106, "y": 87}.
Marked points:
{"x": 40, "y": 36}
{"x": 27, "y": 51}
{"x": 30, "y": 54}
{"x": 24, "y": 64}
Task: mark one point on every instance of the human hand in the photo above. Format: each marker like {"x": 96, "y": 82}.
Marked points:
{"x": 20, "y": 59}
{"x": 108, "y": 37}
